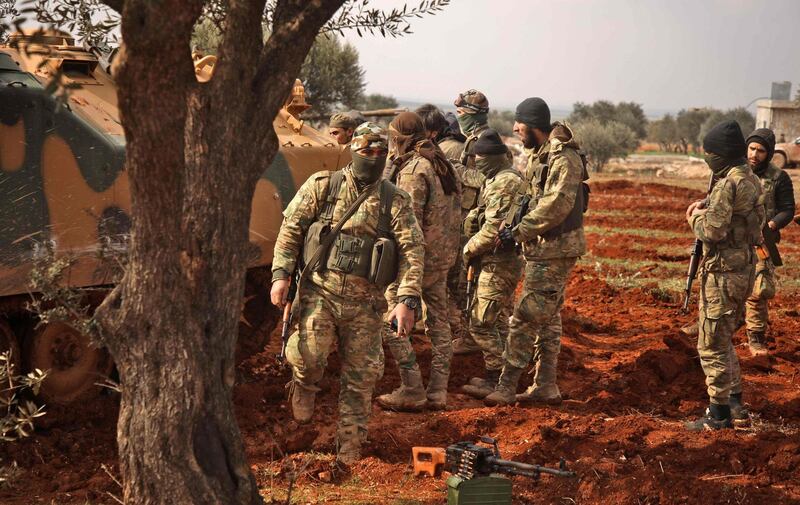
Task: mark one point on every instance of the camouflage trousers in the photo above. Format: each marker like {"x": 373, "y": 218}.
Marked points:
{"x": 437, "y": 326}
{"x": 354, "y": 326}
{"x": 535, "y": 330}
{"x": 722, "y": 299}
{"x": 492, "y": 307}
{"x": 764, "y": 288}
{"x": 457, "y": 297}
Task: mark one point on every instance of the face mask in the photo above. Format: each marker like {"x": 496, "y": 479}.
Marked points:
{"x": 468, "y": 122}
{"x": 716, "y": 163}
{"x": 368, "y": 169}
{"x": 490, "y": 164}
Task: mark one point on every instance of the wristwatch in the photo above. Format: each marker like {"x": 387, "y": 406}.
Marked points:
{"x": 412, "y": 302}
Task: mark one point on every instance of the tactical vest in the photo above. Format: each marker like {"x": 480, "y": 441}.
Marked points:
{"x": 472, "y": 181}
{"x": 745, "y": 228}
{"x": 481, "y": 218}
{"x": 373, "y": 258}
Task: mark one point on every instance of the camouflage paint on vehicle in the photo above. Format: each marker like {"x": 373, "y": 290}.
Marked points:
{"x": 62, "y": 177}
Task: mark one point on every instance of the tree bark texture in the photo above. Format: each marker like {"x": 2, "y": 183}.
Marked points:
{"x": 194, "y": 155}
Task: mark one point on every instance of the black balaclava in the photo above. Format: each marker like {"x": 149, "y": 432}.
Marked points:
{"x": 725, "y": 147}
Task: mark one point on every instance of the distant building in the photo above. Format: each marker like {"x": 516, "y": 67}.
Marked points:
{"x": 781, "y": 116}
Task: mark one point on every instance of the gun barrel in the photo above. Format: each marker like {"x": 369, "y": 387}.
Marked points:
{"x": 517, "y": 468}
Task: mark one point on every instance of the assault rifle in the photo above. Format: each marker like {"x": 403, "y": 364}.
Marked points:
{"x": 769, "y": 248}
{"x": 694, "y": 261}
{"x": 470, "y": 461}
{"x": 470, "y": 285}
{"x": 287, "y": 317}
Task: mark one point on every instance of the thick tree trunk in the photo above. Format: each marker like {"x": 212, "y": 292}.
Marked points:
{"x": 194, "y": 155}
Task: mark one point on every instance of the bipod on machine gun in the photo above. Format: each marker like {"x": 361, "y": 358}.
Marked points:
{"x": 478, "y": 471}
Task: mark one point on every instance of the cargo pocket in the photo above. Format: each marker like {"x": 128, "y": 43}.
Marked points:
{"x": 538, "y": 306}
{"x": 764, "y": 287}
{"x": 484, "y": 313}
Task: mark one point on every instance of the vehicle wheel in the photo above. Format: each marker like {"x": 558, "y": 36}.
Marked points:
{"x": 73, "y": 367}
{"x": 779, "y": 160}
{"x": 8, "y": 342}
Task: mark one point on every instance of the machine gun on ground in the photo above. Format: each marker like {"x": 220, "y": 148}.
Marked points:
{"x": 477, "y": 471}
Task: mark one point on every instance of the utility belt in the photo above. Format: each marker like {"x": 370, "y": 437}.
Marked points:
{"x": 374, "y": 259}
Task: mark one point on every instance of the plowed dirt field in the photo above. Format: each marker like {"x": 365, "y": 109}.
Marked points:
{"x": 628, "y": 375}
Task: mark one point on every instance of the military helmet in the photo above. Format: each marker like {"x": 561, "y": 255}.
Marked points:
{"x": 472, "y": 101}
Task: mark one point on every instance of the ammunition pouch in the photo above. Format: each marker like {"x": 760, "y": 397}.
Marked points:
{"x": 764, "y": 287}
{"x": 374, "y": 259}
{"x": 383, "y": 262}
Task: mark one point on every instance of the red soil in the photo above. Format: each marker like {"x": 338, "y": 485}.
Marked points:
{"x": 628, "y": 376}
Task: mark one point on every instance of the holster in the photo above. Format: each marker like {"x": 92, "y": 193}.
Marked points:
{"x": 316, "y": 232}
{"x": 384, "y": 265}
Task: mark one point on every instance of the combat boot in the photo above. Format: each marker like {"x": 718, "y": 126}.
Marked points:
{"x": 302, "y": 401}
{"x": 547, "y": 394}
{"x": 757, "y": 342}
{"x": 739, "y": 413}
{"x": 544, "y": 388}
{"x": 505, "y": 393}
{"x": 481, "y": 388}
{"x": 462, "y": 346}
{"x": 409, "y": 397}
{"x": 348, "y": 442}
{"x": 716, "y": 417}
{"x": 437, "y": 390}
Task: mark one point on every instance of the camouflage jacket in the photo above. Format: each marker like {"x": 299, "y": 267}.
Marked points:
{"x": 436, "y": 212}
{"x": 552, "y": 201}
{"x": 451, "y": 148}
{"x": 496, "y": 198}
{"x": 305, "y": 208}
{"x": 730, "y": 226}
{"x": 468, "y": 153}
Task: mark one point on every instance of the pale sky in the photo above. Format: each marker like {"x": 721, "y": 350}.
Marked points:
{"x": 664, "y": 54}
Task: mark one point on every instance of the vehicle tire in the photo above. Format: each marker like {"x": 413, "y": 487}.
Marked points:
{"x": 74, "y": 368}
{"x": 779, "y": 160}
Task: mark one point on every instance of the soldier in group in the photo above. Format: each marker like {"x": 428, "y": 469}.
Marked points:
{"x": 500, "y": 269}
{"x": 341, "y": 127}
{"x": 421, "y": 169}
{"x": 779, "y": 210}
{"x": 440, "y": 131}
{"x": 729, "y": 225}
{"x": 552, "y": 238}
{"x": 338, "y": 304}
{"x": 472, "y": 115}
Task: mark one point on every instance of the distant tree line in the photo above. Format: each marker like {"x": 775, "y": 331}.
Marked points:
{"x": 685, "y": 131}
{"x": 605, "y": 130}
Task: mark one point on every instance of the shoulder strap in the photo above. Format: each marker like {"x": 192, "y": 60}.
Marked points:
{"x": 334, "y": 187}
{"x": 387, "y": 191}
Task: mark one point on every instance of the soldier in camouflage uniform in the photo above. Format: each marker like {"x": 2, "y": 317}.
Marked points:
{"x": 500, "y": 270}
{"x": 729, "y": 226}
{"x": 779, "y": 209}
{"x": 472, "y": 115}
{"x": 342, "y": 126}
{"x": 344, "y": 309}
{"x": 421, "y": 169}
{"x": 551, "y": 234}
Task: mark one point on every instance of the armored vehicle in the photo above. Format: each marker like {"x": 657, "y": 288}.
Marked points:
{"x": 63, "y": 188}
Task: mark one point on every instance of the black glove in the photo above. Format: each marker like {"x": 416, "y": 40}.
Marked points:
{"x": 504, "y": 239}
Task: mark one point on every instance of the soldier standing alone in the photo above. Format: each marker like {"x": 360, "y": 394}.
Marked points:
{"x": 339, "y": 303}
{"x": 730, "y": 228}
{"x": 551, "y": 234}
